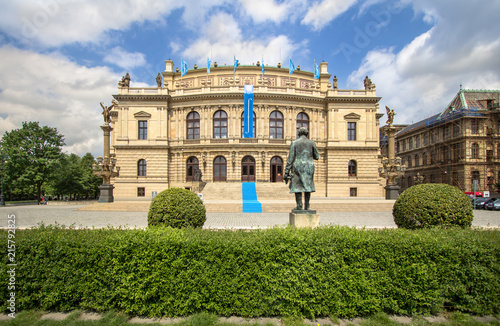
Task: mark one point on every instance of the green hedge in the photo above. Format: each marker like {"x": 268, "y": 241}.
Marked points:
{"x": 337, "y": 271}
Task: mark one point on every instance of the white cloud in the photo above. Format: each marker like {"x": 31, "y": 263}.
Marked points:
{"x": 56, "y": 22}
{"x": 224, "y": 38}
{"x": 422, "y": 78}
{"x": 126, "y": 60}
{"x": 322, "y": 13}
{"x": 56, "y": 92}
{"x": 266, "y": 10}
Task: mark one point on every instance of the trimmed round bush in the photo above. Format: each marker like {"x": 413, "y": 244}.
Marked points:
{"x": 431, "y": 204}
{"x": 177, "y": 208}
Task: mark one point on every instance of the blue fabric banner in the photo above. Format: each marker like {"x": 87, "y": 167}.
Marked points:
{"x": 316, "y": 71}
{"x": 208, "y": 65}
{"x": 262, "y": 65}
{"x": 184, "y": 67}
{"x": 235, "y": 65}
{"x": 248, "y": 114}
{"x": 292, "y": 67}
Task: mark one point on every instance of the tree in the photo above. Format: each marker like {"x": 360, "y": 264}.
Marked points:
{"x": 74, "y": 177}
{"x": 32, "y": 153}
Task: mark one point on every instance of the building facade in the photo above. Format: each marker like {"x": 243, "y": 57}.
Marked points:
{"x": 192, "y": 125}
{"x": 457, "y": 146}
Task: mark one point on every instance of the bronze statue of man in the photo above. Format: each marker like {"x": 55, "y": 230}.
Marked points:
{"x": 299, "y": 168}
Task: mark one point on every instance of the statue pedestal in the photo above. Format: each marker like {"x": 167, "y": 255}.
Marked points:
{"x": 106, "y": 195}
{"x": 391, "y": 192}
{"x": 304, "y": 219}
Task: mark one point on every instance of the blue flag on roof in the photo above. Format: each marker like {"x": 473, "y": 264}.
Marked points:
{"x": 316, "y": 71}
{"x": 184, "y": 67}
{"x": 262, "y": 65}
{"x": 208, "y": 65}
{"x": 292, "y": 67}
{"x": 235, "y": 64}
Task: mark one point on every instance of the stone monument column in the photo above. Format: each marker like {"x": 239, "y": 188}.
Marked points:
{"x": 105, "y": 165}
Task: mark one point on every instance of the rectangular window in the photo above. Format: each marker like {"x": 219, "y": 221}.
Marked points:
{"x": 353, "y": 192}
{"x": 474, "y": 128}
{"x": 141, "y": 192}
{"x": 143, "y": 130}
{"x": 351, "y": 131}
{"x": 417, "y": 141}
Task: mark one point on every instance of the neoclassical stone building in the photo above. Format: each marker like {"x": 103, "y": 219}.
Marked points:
{"x": 165, "y": 136}
{"x": 457, "y": 146}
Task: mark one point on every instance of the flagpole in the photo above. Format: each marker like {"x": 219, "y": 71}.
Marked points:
{"x": 262, "y": 68}
{"x": 289, "y": 67}
{"x": 181, "y": 69}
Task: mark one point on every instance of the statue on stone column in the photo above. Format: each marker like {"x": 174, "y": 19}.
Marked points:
{"x": 335, "y": 82}
{"x": 106, "y": 111}
{"x": 368, "y": 83}
{"x": 390, "y": 115}
{"x": 158, "y": 80}
{"x": 299, "y": 168}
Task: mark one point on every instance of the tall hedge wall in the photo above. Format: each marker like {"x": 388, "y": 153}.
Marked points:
{"x": 276, "y": 272}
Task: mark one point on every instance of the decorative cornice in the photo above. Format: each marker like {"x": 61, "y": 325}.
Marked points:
{"x": 352, "y": 99}
{"x": 141, "y": 97}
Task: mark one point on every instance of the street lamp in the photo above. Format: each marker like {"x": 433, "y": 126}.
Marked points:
{"x": 2, "y": 195}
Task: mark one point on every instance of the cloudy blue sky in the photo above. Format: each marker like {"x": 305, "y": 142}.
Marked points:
{"x": 60, "y": 58}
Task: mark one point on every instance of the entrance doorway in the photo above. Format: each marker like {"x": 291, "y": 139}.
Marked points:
{"x": 191, "y": 165}
{"x": 276, "y": 169}
{"x": 220, "y": 169}
{"x": 248, "y": 169}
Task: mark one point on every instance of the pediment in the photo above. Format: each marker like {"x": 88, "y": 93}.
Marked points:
{"x": 142, "y": 114}
{"x": 352, "y": 116}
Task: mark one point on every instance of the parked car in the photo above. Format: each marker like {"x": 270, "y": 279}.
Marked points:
{"x": 489, "y": 203}
{"x": 496, "y": 205}
{"x": 479, "y": 202}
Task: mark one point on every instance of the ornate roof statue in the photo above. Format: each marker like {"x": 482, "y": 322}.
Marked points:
{"x": 158, "y": 80}
{"x": 125, "y": 82}
{"x": 368, "y": 84}
{"x": 390, "y": 115}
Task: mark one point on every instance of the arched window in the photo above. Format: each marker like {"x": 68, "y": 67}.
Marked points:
{"x": 302, "y": 121}
{"x": 193, "y": 125}
{"x": 220, "y": 168}
{"x": 191, "y": 165}
{"x": 352, "y": 168}
{"x": 220, "y": 124}
{"x": 417, "y": 160}
{"x": 475, "y": 150}
{"x": 141, "y": 168}
{"x": 243, "y": 124}
{"x": 276, "y": 125}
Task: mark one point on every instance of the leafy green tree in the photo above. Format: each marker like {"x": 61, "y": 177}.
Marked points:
{"x": 32, "y": 154}
{"x": 90, "y": 182}
{"x": 74, "y": 177}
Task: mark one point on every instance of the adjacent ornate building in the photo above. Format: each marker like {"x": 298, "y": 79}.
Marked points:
{"x": 456, "y": 146}
{"x": 170, "y": 135}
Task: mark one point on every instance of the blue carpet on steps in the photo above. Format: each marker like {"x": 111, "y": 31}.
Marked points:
{"x": 249, "y": 195}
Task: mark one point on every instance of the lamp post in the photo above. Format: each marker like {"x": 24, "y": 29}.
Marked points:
{"x": 2, "y": 195}
{"x": 106, "y": 166}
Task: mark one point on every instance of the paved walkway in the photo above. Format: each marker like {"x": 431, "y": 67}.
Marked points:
{"x": 77, "y": 215}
